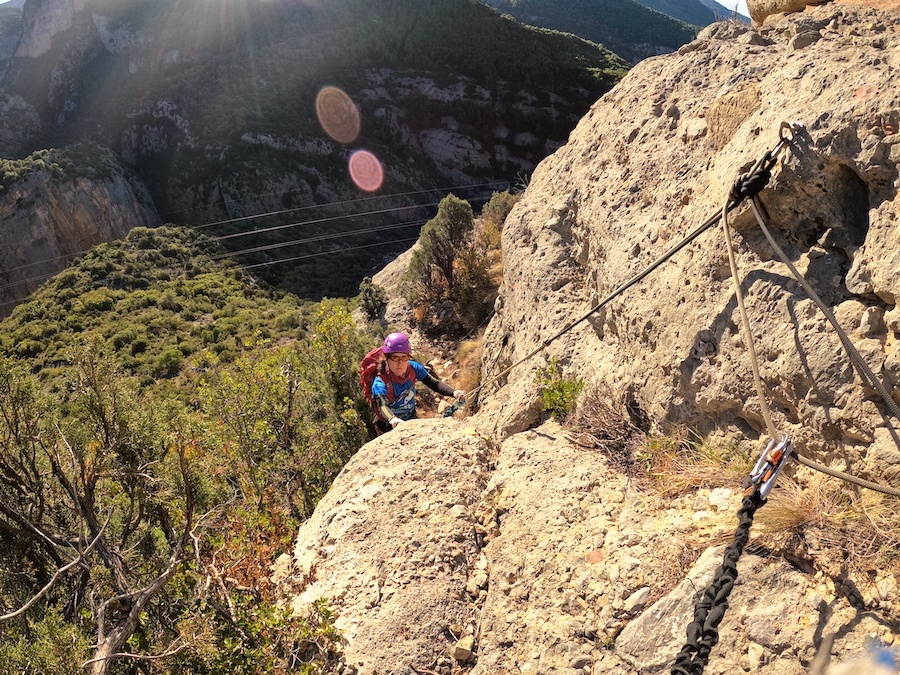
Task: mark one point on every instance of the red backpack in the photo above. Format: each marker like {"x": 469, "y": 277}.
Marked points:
{"x": 370, "y": 367}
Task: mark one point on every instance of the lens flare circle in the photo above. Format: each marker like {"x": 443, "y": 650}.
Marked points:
{"x": 366, "y": 171}
{"x": 338, "y": 115}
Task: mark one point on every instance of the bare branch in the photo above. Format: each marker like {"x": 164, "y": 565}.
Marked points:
{"x": 109, "y": 642}
{"x": 62, "y": 570}
{"x": 171, "y": 650}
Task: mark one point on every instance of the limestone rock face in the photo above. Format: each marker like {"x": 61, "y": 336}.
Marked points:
{"x": 573, "y": 565}
{"x": 654, "y": 159}
{"x": 760, "y": 9}
{"x": 46, "y": 222}
{"x": 442, "y": 552}
{"x": 393, "y": 543}
{"x": 43, "y": 20}
{"x": 19, "y": 122}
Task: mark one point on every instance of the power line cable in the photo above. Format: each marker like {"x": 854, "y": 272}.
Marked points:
{"x": 72, "y": 256}
{"x": 316, "y": 255}
{"x": 321, "y": 237}
{"x": 310, "y": 207}
{"x": 317, "y": 221}
{"x": 230, "y": 254}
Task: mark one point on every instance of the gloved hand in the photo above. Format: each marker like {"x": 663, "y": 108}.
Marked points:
{"x": 459, "y": 394}
{"x": 395, "y": 422}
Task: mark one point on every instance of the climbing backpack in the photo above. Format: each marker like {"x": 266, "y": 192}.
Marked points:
{"x": 368, "y": 369}
{"x": 372, "y": 366}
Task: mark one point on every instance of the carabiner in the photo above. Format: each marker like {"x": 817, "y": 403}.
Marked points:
{"x": 770, "y": 464}
{"x": 788, "y": 131}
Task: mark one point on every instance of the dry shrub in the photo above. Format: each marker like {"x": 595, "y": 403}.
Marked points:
{"x": 468, "y": 357}
{"x": 595, "y": 423}
{"x": 683, "y": 461}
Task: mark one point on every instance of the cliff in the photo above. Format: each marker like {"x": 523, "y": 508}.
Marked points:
{"x": 505, "y": 543}
{"x": 48, "y": 216}
{"x": 227, "y": 115}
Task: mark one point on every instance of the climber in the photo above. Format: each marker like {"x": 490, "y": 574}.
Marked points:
{"x": 393, "y": 387}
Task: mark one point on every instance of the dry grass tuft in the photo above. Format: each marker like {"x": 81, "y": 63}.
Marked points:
{"x": 820, "y": 520}
{"x": 792, "y": 506}
{"x": 683, "y": 461}
{"x": 468, "y": 357}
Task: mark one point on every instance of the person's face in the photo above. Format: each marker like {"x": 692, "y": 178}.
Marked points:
{"x": 397, "y": 363}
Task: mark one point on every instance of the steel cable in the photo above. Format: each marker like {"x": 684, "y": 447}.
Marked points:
{"x": 747, "y": 186}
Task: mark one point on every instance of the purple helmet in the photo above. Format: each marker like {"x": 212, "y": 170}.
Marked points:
{"x": 396, "y": 342}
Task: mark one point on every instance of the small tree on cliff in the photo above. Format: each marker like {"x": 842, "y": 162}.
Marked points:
{"x": 433, "y": 273}
{"x": 441, "y": 240}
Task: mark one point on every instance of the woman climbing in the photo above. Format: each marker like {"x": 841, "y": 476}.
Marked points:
{"x": 394, "y": 386}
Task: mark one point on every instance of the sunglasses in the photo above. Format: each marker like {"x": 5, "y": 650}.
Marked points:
{"x": 399, "y": 357}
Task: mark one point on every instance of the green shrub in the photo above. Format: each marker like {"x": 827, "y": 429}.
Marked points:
{"x": 139, "y": 346}
{"x": 28, "y": 348}
{"x": 372, "y": 297}
{"x": 168, "y": 363}
{"x": 498, "y": 208}
{"x": 558, "y": 393}
{"x": 47, "y": 645}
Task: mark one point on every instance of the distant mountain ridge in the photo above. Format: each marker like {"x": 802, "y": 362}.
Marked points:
{"x": 629, "y": 28}
{"x": 217, "y": 113}
{"x": 693, "y": 12}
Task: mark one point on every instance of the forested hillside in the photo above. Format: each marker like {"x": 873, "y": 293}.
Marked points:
{"x": 166, "y": 423}
{"x": 628, "y": 28}
{"x": 692, "y": 12}
{"x": 225, "y": 113}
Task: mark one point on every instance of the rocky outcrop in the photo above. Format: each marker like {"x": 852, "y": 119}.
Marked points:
{"x": 574, "y": 564}
{"x": 760, "y": 9}
{"x": 43, "y": 21}
{"x": 47, "y": 221}
{"x": 394, "y": 546}
{"x": 19, "y": 126}
{"x": 641, "y": 171}
{"x": 539, "y": 556}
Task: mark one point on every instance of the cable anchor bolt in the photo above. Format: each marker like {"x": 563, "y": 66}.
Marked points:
{"x": 770, "y": 464}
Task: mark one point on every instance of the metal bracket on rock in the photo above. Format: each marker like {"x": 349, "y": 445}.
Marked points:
{"x": 770, "y": 464}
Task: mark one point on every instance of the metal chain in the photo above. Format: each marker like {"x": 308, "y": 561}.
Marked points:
{"x": 703, "y": 631}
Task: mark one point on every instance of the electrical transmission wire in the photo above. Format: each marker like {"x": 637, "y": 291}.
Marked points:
{"x": 316, "y": 255}
{"x": 320, "y": 206}
{"x": 282, "y": 245}
{"x": 321, "y": 237}
{"x": 317, "y": 221}
{"x": 72, "y": 256}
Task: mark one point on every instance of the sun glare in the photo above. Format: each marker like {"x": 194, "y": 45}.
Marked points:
{"x": 366, "y": 171}
{"x": 338, "y": 115}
